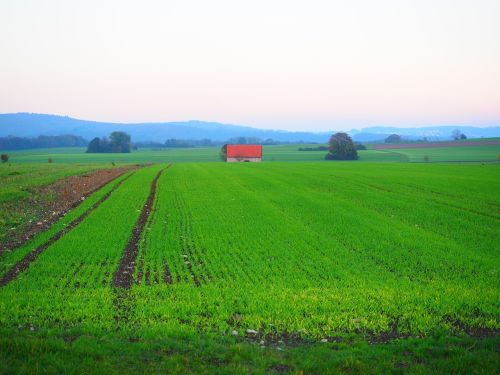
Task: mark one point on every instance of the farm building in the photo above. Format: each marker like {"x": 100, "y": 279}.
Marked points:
{"x": 248, "y": 153}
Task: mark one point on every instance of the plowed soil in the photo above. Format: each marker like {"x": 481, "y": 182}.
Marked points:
{"x": 53, "y": 201}
{"x": 24, "y": 263}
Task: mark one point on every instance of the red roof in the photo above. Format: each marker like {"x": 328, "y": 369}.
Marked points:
{"x": 244, "y": 151}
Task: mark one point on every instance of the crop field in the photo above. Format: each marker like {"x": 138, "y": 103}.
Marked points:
{"x": 484, "y": 153}
{"x": 275, "y": 153}
{"x": 265, "y": 267}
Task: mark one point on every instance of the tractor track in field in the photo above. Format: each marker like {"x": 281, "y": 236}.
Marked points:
{"x": 24, "y": 263}
{"x": 124, "y": 275}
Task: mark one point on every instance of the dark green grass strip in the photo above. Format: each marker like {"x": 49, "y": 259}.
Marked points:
{"x": 28, "y": 353}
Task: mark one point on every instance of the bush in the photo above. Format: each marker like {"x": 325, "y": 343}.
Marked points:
{"x": 360, "y": 146}
{"x": 223, "y": 152}
{"x": 319, "y": 148}
{"x": 5, "y": 158}
{"x": 50, "y": 160}
{"x": 393, "y": 138}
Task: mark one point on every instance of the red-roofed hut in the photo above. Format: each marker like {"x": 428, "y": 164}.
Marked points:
{"x": 248, "y": 153}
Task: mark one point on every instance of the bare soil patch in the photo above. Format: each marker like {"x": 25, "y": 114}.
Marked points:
{"x": 53, "y": 201}
{"x": 24, "y": 263}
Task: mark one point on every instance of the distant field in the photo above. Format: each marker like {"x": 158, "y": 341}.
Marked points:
{"x": 453, "y": 154}
{"x": 271, "y": 154}
{"x": 256, "y": 267}
{"x": 78, "y": 155}
{"x": 462, "y": 143}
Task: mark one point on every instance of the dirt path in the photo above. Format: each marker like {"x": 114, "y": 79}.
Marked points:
{"x": 68, "y": 193}
{"x": 24, "y": 263}
{"x": 124, "y": 275}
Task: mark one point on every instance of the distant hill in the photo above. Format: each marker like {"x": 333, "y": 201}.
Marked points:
{"x": 33, "y": 125}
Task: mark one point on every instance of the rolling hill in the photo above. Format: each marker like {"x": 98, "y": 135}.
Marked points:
{"x": 32, "y": 125}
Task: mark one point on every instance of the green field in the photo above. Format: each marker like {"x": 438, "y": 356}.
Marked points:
{"x": 320, "y": 267}
{"x": 451, "y": 154}
{"x": 271, "y": 153}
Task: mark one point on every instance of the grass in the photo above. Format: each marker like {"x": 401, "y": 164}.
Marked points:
{"x": 350, "y": 253}
{"x": 51, "y": 354}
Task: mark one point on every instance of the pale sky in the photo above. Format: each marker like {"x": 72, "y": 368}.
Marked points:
{"x": 297, "y": 65}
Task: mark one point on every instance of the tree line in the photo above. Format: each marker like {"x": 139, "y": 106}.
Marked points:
{"x": 118, "y": 142}
{"x": 42, "y": 141}
{"x": 457, "y": 135}
{"x": 189, "y": 143}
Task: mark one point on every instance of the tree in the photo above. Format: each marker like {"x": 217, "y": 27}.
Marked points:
{"x": 94, "y": 146}
{"x": 223, "y": 152}
{"x": 457, "y": 135}
{"x": 5, "y": 158}
{"x": 341, "y": 147}
{"x": 463, "y": 136}
{"x": 393, "y": 138}
{"x": 120, "y": 142}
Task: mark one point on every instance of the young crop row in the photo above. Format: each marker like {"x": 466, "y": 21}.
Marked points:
{"x": 310, "y": 250}
{"x": 318, "y": 250}
{"x": 69, "y": 284}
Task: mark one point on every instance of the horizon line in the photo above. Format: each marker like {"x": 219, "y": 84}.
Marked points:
{"x": 159, "y": 122}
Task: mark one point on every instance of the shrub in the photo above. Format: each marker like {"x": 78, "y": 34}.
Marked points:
{"x": 223, "y": 152}
{"x": 5, "y": 158}
{"x": 393, "y": 138}
{"x": 319, "y": 148}
{"x": 50, "y": 160}
{"x": 360, "y": 146}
